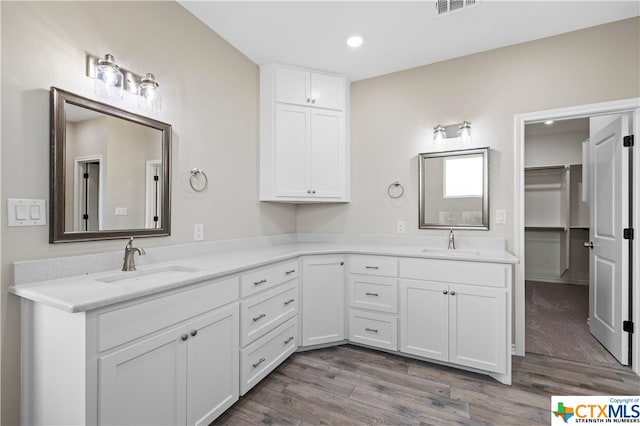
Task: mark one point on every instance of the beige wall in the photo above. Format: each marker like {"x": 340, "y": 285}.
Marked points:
{"x": 392, "y": 117}
{"x": 210, "y": 97}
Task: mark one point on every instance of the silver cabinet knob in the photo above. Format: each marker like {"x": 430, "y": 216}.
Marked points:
{"x": 308, "y": 100}
{"x": 194, "y": 332}
{"x": 313, "y": 101}
{"x": 453, "y": 293}
{"x": 444, "y": 292}
{"x": 313, "y": 191}
{"x": 308, "y": 191}
{"x": 184, "y": 337}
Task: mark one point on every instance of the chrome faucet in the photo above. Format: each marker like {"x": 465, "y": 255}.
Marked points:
{"x": 129, "y": 251}
{"x": 452, "y": 240}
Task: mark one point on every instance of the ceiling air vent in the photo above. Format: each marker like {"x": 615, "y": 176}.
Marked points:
{"x": 446, "y": 6}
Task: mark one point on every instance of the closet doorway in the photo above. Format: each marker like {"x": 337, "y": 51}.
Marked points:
{"x": 560, "y": 182}
{"x": 557, "y": 228}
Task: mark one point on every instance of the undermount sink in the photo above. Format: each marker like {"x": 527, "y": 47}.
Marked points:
{"x": 449, "y": 252}
{"x": 174, "y": 271}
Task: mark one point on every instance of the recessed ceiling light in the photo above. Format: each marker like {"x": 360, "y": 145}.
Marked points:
{"x": 548, "y": 122}
{"x": 355, "y": 41}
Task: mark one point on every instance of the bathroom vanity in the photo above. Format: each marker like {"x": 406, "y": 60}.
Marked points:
{"x": 179, "y": 342}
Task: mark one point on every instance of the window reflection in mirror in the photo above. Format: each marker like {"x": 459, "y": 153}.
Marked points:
{"x": 454, "y": 189}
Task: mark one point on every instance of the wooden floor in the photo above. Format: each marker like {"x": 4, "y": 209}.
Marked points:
{"x": 351, "y": 385}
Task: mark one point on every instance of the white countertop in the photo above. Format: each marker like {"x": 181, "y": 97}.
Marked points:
{"x": 85, "y": 292}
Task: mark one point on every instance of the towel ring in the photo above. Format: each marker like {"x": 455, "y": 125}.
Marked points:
{"x": 195, "y": 173}
{"x": 395, "y": 184}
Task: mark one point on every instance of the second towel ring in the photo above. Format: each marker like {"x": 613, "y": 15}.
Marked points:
{"x": 395, "y": 184}
{"x": 195, "y": 175}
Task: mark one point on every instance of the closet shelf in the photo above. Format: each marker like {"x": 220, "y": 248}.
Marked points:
{"x": 546, "y": 228}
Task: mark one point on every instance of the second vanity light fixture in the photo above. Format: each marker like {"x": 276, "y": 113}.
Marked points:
{"x": 111, "y": 81}
{"x": 460, "y": 130}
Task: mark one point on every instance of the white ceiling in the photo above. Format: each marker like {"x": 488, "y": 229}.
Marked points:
{"x": 398, "y": 34}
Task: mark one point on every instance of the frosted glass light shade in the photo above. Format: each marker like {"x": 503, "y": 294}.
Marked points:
{"x": 149, "y": 94}
{"x": 109, "y": 79}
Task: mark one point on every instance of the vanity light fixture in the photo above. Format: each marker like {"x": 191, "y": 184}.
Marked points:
{"x": 111, "y": 80}
{"x": 461, "y": 131}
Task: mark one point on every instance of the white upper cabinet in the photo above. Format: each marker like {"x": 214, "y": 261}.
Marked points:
{"x": 304, "y": 149}
{"x": 294, "y": 86}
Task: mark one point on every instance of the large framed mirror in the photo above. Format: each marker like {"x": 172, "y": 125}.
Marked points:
{"x": 454, "y": 189}
{"x": 110, "y": 172}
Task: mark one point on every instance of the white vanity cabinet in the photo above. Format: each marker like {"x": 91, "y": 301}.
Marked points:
{"x": 373, "y": 301}
{"x": 188, "y": 372}
{"x": 303, "y": 142}
{"x": 164, "y": 359}
{"x": 322, "y": 299}
{"x": 458, "y": 312}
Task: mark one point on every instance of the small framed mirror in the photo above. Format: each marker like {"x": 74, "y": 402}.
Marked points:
{"x": 110, "y": 172}
{"x": 454, "y": 189}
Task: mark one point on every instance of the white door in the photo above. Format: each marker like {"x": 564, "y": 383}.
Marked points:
{"x": 478, "y": 327}
{"x": 145, "y": 383}
{"x": 291, "y": 156}
{"x": 213, "y": 365}
{"x": 424, "y": 319}
{"x": 322, "y": 300}
{"x": 608, "y": 263}
{"x": 327, "y": 154}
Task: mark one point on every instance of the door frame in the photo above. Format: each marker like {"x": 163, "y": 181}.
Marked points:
{"x": 631, "y": 105}
{"x": 77, "y": 187}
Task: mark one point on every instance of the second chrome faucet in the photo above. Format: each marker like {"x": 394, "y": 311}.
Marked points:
{"x": 452, "y": 240}
{"x": 129, "y": 263}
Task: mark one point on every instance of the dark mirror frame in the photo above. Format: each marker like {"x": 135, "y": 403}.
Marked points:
{"x": 423, "y": 197}
{"x": 59, "y": 98}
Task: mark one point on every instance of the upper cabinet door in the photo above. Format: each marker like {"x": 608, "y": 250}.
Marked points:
{"x": 293, "y": 86}
{"x": 309, "y": 89}
{"x": 327, "y": 91}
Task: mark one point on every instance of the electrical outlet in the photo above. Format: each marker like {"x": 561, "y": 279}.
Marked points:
{"x": 501, "y": 216}
{"x": 198, "y": 232}
{"x": 401, "y": 227}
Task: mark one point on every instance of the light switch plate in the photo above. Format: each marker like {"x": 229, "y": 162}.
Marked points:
{"x": 501, "y": 216}
{"x": 26, "y": 212}
{"x": 401, "y": 227}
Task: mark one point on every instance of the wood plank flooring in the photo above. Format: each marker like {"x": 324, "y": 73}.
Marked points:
{"x": 350, "y": 385}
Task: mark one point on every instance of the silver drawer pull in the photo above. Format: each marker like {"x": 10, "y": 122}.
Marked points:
{"x": 370, "y": 267}
{"x": 289, "y": 302}
{"x": 372, "y": 294}
{"x": 371, "y": 330}
{"x": 288, "y": 340}
{"x": 259, "y": 317}
{"x": 453, "y": 293}
{"x": 259, "y": 282}
{"x": 290, "y": 272}
{"x": 259, "y": 362}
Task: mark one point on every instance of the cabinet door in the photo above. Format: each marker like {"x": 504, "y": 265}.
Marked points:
{"x": 145, "y": 383}
{"x": 327, "y": 91}
{"x": 213, "y": 365}
{"x": 291, "y": 151}
{"x": 293, "y": 86}
{"x": 478, "y": 327}
{"x": 424, "y": 325}
{"x": 322, "y": 300}
{"x": 327, "y": 154}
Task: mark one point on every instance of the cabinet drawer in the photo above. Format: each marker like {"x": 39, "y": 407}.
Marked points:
{"x": 262, "y": 279}
{"x": 261, "y": 357}
{"x": 374, "y": 265}
{"x": 459, "y": 272}
{"x": 262, "y": 312}
{"x": 131, "y": 322}
{"x": 375, "y": 293}
{"x": 373, "y": 329}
